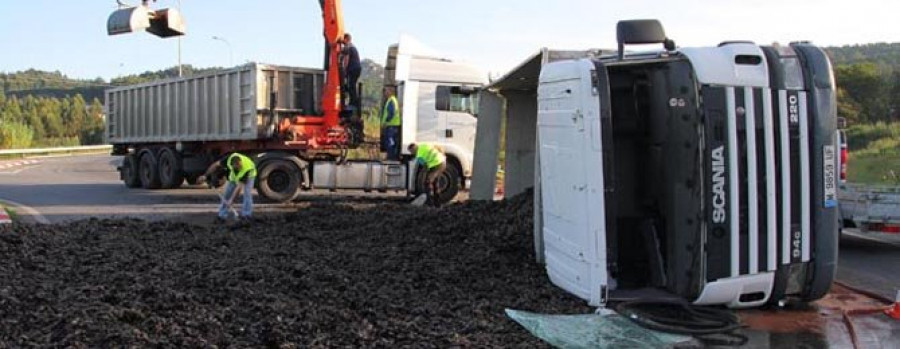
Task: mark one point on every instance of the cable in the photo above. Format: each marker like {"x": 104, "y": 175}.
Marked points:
{"x": 709, "y": 325}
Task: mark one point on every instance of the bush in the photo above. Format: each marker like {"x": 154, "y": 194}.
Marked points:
{"x": 14, "y": 135}
{"x": 861, "y": 137}
{"x": 58, "y": 142}
{"x": 874, "y": 153}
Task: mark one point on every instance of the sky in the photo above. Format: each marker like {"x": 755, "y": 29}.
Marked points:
{"x": 70, "y": 36}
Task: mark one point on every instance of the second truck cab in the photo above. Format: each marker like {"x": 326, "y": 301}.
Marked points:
{"x": 710, "y": 173}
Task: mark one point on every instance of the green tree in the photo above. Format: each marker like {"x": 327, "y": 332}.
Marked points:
{"x": 14, "y": 135}
{"x": 847, "y": 107}
{"x": 31, "y": 116}
{"x": 92, "y": 132}
{"x": 894, "y": 96}
{"x": 863, "y": 85}
{"x": 51, "y": 114}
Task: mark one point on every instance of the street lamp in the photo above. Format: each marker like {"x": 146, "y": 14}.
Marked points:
{"x": 230, "y": 50}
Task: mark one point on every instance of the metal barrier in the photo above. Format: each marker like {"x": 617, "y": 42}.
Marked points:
{"x": 24, "y": 153}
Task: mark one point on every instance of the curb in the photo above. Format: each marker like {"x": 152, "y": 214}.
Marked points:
{"x": 4, "y": 217}
{"x": 26, "y": 214}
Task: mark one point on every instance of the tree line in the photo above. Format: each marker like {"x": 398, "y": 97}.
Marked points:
{"x": 49, "y": 121}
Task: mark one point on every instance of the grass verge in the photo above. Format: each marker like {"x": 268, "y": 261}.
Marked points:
{"x": 874, "y": 169}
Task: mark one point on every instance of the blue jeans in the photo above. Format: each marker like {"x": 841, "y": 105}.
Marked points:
{"x": 247, "y": 208}
{"x": 392, "y": 142}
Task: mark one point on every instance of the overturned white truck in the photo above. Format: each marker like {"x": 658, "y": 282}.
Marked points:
{"x": 704, "y": 173}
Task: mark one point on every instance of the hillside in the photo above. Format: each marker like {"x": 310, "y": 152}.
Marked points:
{"x": 882, "y": 54}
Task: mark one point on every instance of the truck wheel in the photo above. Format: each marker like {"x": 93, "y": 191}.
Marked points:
{"x": 448, "y": 184}
{"x": 170, "y": 174}
{"x": 149, "y": 171}
{"x": 279, "y": 180}
{"x": 130, "y": 174}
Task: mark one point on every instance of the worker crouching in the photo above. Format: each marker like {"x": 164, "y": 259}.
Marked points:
{"x": 241, "y": 177}
{"x": 435, "y": 162}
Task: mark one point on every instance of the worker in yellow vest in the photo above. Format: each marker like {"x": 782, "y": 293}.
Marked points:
{"x": 390, "y": 124}
{"x": 241, "y": 171}
{"x": 432, "y": 158}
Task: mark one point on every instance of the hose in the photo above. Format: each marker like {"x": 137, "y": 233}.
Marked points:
{"x": 709, "y": 325}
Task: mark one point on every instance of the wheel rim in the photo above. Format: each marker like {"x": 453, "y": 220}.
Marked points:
{"x": 145, "y": 171}
{"x": 128, "y": 169}
{"x": 165, "y": 167}
{"x": 279, "y": 181}
{"x": 443, "y": 182}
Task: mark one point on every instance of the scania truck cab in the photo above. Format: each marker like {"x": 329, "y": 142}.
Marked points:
{"x": 709, "y": 173}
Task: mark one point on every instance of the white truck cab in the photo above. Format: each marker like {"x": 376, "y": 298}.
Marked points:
{"x": 709, "y": 173}
{"x": 438, "y": 101}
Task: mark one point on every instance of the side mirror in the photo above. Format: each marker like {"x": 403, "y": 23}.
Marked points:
{"x": 641, "y": 31}
{"x": 841, "y": 123}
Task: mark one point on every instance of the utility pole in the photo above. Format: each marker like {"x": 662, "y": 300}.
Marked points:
{"x": 230, "y": 50}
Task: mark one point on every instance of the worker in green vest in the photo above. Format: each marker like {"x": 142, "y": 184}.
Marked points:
{"x": 432, "y": 158}
{"x": 390, "y": 124}
{"x": 241, "y": 176}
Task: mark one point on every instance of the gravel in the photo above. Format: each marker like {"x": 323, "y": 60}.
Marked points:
{"x": 333, "y": 274}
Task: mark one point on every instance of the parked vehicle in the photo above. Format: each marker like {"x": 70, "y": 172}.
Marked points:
{"x": 874, "y": 210}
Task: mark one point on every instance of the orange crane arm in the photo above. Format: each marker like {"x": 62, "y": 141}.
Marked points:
{"x": 333, "y": 21}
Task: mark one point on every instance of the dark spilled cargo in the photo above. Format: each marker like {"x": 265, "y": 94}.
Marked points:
{"x": 345, "y": 274}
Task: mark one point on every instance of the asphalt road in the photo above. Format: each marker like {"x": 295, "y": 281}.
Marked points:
{"x": 78, "y": 187}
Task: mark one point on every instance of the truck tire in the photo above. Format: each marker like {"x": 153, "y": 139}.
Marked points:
{"x": 130, "y": 174}
{"x": 448, "y": 184}
{"x": 149, "y": 170}
{"x": 170, "y": 169}
{"x": 279, "y": 180}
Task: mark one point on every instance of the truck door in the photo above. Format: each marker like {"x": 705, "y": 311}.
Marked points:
{"x": 571, "y": 171}
{"x": 456, "y": 108}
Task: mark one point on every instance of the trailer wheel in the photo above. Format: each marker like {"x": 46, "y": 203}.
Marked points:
{"x": 448, "y": 183}
{"x": 149, "y": 171}
{"x": 130, "y": 174}
{"x": 170, "y": 174}
{"x": 279, "y": 180}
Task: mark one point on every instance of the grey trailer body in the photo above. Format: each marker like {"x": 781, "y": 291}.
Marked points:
{"x": 230, "y": 105}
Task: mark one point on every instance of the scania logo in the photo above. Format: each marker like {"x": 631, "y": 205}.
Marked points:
{"x": 718, "y": 184}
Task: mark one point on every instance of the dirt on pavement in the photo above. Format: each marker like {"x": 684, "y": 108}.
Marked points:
{"x": 331, "y": 274}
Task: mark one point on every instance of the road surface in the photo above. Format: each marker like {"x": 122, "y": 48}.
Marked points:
{"x": 77, "y": 187}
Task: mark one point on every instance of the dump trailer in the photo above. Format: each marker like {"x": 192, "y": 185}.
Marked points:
{"x": 703, "y": 173}
{"x": 170, "y": 131}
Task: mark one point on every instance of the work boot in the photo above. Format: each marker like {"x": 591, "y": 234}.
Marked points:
{"x": 245, "y": 221}
{"x": 220, "y": 220}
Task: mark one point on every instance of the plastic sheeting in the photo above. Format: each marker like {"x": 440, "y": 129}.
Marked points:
{"x": 609, "y": 330}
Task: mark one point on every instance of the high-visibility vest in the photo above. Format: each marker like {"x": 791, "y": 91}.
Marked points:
{"x": 247, "y": 165}
{"x": 384, "y": 113}
{"x": 430, "y": 155}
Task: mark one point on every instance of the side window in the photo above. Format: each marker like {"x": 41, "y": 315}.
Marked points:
{"x": 457, "y": 98}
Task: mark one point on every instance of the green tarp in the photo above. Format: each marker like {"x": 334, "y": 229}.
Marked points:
{"x": 594, "y": 331}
